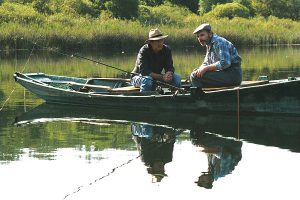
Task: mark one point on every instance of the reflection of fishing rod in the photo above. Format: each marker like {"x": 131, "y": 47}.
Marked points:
{"x": 110, "y": 66}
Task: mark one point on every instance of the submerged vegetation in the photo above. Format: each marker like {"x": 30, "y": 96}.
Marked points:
{"x": 116, "y": 24}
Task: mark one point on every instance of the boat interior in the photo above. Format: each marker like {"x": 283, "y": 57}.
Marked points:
{"x": 113, "y": 85}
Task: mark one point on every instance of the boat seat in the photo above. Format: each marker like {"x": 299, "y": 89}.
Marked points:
{"x": 243, "y": 84}
{"x": 130, "y": 88}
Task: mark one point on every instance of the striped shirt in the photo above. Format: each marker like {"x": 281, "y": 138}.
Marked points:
{"x": 221, "y": 53}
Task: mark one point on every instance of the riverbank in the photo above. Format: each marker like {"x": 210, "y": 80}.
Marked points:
{"x": 112, "y": 34}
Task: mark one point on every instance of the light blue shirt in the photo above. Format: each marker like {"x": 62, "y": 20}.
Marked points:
{"x": 221, "y": 53}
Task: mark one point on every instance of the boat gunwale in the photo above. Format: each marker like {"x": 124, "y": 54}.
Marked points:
{"x": 121, "y": 94}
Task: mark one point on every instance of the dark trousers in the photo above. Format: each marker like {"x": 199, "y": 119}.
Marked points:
{"x": 231, "y": 76}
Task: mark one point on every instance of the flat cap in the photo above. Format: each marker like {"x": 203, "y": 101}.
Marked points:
{"x": 202, "y": 27}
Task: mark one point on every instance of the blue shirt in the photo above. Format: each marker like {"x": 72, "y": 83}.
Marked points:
{"x": 221, "y": 53}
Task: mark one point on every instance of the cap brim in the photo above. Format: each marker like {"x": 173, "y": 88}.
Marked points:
{"x": 201, "y": 28}
{"x": 157, "y": 38}
{"x": 198, "y": 30}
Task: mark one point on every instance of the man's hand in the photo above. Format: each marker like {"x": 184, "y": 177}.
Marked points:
{"x": 168, "y": 76}
{"x": 198, "y": 72}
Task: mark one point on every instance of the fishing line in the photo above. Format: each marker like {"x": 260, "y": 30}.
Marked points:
{"x": 102, "y": 177}
{"x": 123, "y": 164}
{"x": 14, "y": 88}
{"x": 104, "y": 64}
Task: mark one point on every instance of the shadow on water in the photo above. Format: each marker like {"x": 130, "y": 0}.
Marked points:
{"x": 269, "y": 130}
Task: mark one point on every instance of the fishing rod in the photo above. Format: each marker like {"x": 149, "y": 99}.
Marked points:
{"x": 110, "y": 66}
{"x": 132, "y": 73}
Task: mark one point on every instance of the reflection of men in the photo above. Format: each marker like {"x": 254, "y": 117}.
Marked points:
{"x": 155, "y": 145}
{"x": 222, "y": 154}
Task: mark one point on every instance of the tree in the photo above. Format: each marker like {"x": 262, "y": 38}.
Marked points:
{"x": 192, "y": 5}
{"x": 42, "y": 6}
{"x": 19, "y": 1}
{"x": 124, "y": 9}
{"x": 207, "y": 5}
{"x": 152, "y": 2}
{"x": 247, "y": 4}
{"x": 230, "y": 10}
{"x": 278, "y": 8}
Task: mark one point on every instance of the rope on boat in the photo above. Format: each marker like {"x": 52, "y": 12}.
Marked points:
{"x": 14, "y": 88}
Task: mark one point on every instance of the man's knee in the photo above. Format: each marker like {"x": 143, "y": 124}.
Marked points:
{"x": 195, "y": 81}
{"x": 177, "y": 80}
{"x": 147, "y": 83}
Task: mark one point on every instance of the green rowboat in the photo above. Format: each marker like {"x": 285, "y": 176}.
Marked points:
{"x": 277, "y": 96}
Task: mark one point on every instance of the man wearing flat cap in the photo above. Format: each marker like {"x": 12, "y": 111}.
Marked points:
{"x": 222, "y": 63}
{"x": 152, "y": 59}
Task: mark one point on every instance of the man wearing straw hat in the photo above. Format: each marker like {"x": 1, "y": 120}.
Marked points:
{"x": 222, "y": 63}
{"x": 152, "y": 59}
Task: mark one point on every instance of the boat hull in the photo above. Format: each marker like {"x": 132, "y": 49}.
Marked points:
{"x": 277, "y": 97}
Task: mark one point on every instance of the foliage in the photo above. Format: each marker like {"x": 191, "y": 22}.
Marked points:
{"x": 163, "y": 14}
{"x": 77, "y": 7}
{"x": 18, "y": 1}
{"x": 42, "y": 6}
{"x": 192, "y": 5}
{"x": 230, "y": 10}
{"x": 12, "y": 12}
{"x": 71, "y": 24}
{"x": 207, "y": 5}
{"x": 124, "y": 9}
{"x": 151, "y": 2}
{"x": 278, "y": 8}
{"x": 247, "y": 4}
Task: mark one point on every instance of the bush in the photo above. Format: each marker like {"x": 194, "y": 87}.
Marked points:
{"x": 230, "y": 10}
{"x": 163, "y": 14}
{"x": 192, "y": 5}
{"x": 278, "y": 8}
{"x": 77, "y": 7}
{"x": 42, "y": 6}
{"x": 152, "y": 2}
{"x": 13, "y": 12}
{"x": 207, "y": 5}
{"x": 123, "y": 9}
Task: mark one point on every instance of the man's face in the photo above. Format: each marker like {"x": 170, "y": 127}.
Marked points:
{"x": 203, "y": 37}
{"x": 157, "y": 45}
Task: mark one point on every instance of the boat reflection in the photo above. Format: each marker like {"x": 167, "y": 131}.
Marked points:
{"x": 223, "y": 154}
{"x": 269, "y": 130}
{"x": 155, "y": 145}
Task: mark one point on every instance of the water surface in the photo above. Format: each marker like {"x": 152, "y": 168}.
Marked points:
{"x": 54, "y": 152}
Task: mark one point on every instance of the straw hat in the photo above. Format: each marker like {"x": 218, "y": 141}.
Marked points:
{"x": 155, "y": 34}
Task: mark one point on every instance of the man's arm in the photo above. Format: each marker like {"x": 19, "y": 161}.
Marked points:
{"x": 223, "y": 50}
{"x": 143, "y": 63}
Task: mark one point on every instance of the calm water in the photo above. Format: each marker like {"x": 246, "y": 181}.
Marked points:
{"x": 52, "y": 152}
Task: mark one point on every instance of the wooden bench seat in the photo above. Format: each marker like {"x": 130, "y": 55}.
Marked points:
{"x": 243, "y": 84}
{"x": 126, "y": 89}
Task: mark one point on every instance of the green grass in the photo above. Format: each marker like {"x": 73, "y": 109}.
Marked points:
{"x": 112, "y": 34}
